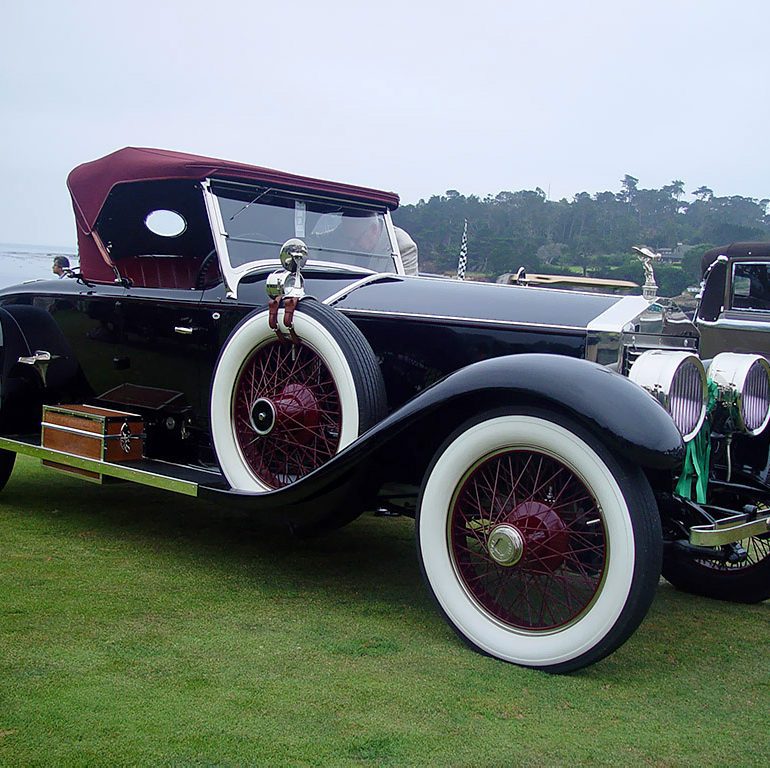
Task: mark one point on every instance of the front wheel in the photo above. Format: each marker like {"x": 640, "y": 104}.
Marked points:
{"x": 540, "y": 547}
{"x": 744, "y": 582}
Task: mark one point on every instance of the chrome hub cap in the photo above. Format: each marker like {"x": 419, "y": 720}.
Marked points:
{"x": 263, "y": 416}
{"x": 506, "y": 545}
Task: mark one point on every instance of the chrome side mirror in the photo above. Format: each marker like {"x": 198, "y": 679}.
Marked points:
{"x": 293, "y": 255}
{"x": 288, "y": 282}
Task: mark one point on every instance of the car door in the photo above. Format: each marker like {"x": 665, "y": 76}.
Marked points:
{"x": 89, "y": 318}
{"x": 166, "y": 348}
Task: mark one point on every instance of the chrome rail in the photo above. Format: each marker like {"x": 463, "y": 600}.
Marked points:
{"x": 109, "y": 469}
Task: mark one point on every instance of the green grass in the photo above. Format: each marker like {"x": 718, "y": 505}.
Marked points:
{"x": 140, "y": 628}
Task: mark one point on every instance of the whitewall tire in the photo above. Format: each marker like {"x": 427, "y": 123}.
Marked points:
{"x": 540, "y": 548}
{"x": 279, "y": 410}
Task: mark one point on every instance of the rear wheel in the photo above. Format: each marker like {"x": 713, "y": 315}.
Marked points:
{"x": 7, "y": 459}
{"x": 281, "y": 409}
{"x": 540, "y": 547}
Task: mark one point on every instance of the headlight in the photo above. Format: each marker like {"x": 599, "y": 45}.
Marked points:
{"x": 744, "y": 381}
{"x": 678, "y": 381}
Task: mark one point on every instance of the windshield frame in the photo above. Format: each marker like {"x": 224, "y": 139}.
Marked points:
{"x": 232, "y": 274}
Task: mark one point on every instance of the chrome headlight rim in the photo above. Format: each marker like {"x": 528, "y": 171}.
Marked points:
{"x": 731, "y": 372}
{"x": 659, "y": 372}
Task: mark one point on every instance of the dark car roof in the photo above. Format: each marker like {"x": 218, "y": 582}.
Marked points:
{"x": 735, "y": 251}
{"x": 90, "y": 183}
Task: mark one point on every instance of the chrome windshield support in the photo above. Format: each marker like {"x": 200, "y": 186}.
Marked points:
{"x": 219, "y": 234}
{"x": 397, "y": 262}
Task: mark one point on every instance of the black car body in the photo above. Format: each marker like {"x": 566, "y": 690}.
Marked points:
{"x": 523, "y": 429}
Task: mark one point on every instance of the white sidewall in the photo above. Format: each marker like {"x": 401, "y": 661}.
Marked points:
{"x": 252, "y": 334}
{"x": 519, "y": 646}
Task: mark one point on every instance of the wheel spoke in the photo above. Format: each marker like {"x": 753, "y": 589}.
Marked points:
{"x": 562, "y": 562}
{"x": 757, "y": 550}
{"x": 308, "y": 422}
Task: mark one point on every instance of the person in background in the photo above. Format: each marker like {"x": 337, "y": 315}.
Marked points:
{"x": 408, "y": 250}
{"x": 356, "y": 234}
{"x": 61, "y": 265}
{"x": 366, "y": 234}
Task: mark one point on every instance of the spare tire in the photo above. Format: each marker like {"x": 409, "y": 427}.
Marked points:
{"x": 281, "y": 409}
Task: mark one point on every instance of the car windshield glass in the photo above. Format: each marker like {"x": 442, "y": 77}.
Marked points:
{"x": 751, "y": 286}
{"x": 258, "y": 221}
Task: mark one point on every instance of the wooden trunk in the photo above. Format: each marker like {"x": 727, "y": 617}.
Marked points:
{"x": 96, "y": 433}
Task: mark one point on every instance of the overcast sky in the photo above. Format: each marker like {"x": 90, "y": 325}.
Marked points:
{"x": 415, "y": 97}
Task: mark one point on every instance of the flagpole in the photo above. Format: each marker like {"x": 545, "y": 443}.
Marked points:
{"x": 462, "y": 263}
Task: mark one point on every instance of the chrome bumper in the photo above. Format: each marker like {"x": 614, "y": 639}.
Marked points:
{"x": 729, "y": 530}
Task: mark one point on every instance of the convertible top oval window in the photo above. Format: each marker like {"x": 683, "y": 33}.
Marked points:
{"x": 165, "y": 223}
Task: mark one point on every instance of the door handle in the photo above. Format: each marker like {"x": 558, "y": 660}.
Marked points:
{"x": 186, "y": 330}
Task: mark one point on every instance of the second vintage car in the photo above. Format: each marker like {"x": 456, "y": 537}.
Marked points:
{"x": 249, "y": 336}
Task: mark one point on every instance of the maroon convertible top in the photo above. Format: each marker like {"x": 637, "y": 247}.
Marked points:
{"x": 90, "y": 183}
{"x": 104, "y": 183}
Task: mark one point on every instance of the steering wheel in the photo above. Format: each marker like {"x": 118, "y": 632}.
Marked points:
{"x": 200, "y": 277}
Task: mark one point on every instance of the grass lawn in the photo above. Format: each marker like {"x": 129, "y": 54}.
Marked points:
{"x": 141, "y": 628}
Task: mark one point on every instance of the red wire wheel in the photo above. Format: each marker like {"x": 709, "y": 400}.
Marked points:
{"x": 282, "y": 409}
{"x": 528, "y": 540}
{"x": 744, "y": 581}
{"x": 541, "y": 546}
{"x": 286, "y": 412}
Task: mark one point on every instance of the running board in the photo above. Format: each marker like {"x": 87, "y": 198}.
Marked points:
{"x": 157, "y": 474}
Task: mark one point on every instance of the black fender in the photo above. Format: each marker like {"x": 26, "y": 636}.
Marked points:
{"x": 619, "y": 412}
{"x": 25, "y": 329}
{"x": 13, "y": 342}
{"x": 19, "y": 386}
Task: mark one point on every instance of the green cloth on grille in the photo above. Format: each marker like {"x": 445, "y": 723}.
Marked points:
{"x": 697, "y": 457}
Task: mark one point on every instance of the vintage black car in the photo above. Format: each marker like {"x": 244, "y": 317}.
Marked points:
{"x": 734, "y": 313}
{"x": 249, "y": 337}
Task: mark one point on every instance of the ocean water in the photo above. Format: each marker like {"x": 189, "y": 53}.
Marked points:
{"x": 20, "y": 262}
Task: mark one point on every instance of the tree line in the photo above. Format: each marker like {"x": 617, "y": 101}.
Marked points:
{"x": 591, "y": 234}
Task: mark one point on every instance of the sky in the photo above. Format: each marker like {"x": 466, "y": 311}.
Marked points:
{"x": 415, "y": 97}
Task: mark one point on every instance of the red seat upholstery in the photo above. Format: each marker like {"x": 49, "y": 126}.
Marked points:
{"x": 177, "y": 272}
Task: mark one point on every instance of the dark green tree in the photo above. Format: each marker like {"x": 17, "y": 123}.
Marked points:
{"x": 592, "y": 234}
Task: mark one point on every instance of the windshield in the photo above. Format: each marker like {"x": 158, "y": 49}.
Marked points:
{"x": 751, "y": 286}
{"x": 259, "y": 220}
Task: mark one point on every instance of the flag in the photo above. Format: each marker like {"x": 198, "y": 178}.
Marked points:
{"x": 463, "y": 262}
